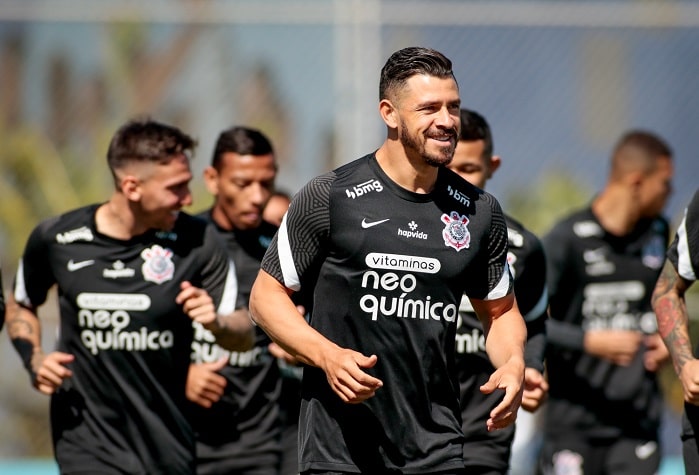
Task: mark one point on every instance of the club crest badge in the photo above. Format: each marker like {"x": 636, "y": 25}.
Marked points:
{"x": 158, "y": 266}
{"x": 455, "y": 233}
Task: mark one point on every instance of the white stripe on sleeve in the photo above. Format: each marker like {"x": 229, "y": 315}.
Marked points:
{"x": 503, "y": 286}
{"x": 286, "y": 260}
{"x": 230, "y": 292}
{"x": 684, "y": 262}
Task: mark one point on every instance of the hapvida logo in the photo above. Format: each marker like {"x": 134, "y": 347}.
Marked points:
{"x": 413, "y": 232}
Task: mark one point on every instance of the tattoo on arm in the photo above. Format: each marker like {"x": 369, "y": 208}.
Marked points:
{"x": 23, "y": 334}
{"x": 671, "y": 311}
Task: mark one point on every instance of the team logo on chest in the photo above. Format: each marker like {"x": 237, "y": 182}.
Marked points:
{"x": 455, "y": 233}
{"x": 158, "y": 266}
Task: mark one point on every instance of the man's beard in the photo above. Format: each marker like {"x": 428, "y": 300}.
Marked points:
{"x": 409, "y": 142}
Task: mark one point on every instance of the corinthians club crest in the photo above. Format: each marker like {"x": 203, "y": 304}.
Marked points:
{"x": 455, "y": 233}
{"x": 158, "y": 266}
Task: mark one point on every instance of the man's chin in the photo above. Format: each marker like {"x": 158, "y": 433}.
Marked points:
{"x": 169, "y": 223}
{"x": 250, "y": 223}
{"x": 439, "y": 160}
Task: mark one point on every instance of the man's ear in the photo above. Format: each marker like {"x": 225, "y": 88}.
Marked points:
{"x": 211, "y": 180}
{"x": 131, "y": 187}
{"x": 634, "y": 179}
{"x": 495, "y": 163}
{"x": 389, "y": 114}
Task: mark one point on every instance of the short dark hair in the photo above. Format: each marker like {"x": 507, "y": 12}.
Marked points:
{"x": 406, "y": 63}
{"x": 474, "y": 127}
{"x": 240, "y": 140}
{"x": 638, "y": 150}
{"x": 145, "y": 140}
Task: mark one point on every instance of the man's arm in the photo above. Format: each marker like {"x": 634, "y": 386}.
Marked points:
{"x": 673, "y": 325}
{"x": 274, "y": 311}
{"x": 505, "y": 336}
{"x": 617, "y": 346}
{"x": 233, "y": 331}
{"x": 47, "y": 371}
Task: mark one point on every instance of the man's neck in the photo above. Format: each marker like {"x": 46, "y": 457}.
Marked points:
{"x": 616, "y": 210}
{"x": 220, "y": 218}
{"x": 116, "y": 220}
{"x": 413, "y": 174}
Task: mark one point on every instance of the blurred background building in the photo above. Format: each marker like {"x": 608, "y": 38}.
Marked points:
{"x": 559, "y": 82}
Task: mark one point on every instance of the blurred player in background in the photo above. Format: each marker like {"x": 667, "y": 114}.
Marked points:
{"x": 603, "y": 354}
{"x": 489, "y": 452}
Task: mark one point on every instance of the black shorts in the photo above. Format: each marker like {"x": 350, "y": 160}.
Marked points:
{"x": 690, "y": 445}
{"x": 622, "y": 456}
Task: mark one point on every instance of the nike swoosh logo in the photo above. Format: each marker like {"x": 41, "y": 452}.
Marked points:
{"x": 73, "y": 266}
{"x": 369, "y": 224}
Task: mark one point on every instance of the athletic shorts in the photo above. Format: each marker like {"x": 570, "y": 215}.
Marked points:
{"x": 621, "y": 456}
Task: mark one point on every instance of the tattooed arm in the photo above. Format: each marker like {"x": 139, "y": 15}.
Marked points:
{"x": 47, "y": 371}
{"x": 673, "y": 325}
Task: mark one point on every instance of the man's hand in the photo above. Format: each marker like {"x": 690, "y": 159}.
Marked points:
{"x": 197, "y": 304}
{"x": 689, "y": 377}
{"x": 343, "y": 368}
{"x": 49, "y": 371}
{"x": 535, "y": 390}
{"x": 204, "y": 385}
{"x": 617, "y": 346}
{"x": 509, "y": 377}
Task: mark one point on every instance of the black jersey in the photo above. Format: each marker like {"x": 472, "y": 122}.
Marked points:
{"x": 243, "y": 428}
{"x": 600, "y": 281}
{"x": 388, "y": 268}
{"x": 528, "y": 266}
{"x": 683, "y": 253}
{"x": 684, "y": 256}
{"x": 124, "y": 408}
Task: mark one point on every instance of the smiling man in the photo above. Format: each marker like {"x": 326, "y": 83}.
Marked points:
{"x": 132, "y": 274}
{"x": 386, "y": 245}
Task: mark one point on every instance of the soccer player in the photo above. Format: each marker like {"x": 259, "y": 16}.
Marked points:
{"x": 388, "y": 244}
{"x": 678, "y": 274}
{"x": 238, "y": 421}
{"x": 604, "y": 405}
{"x": 132, "y": 274}
{"x": 489, "y": 452}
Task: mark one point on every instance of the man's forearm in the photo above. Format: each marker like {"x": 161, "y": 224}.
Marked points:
{"x": 234, "y": 332}
{"x": 506, "y": 339}
{"x": 671, "y": 311}
{"x": 24, "y": 330}
{"x": 274, "y": 311}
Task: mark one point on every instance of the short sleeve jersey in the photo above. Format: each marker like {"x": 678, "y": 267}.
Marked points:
{"x": 527, "y": 264}
{"x": 600, "y": 281}
{"x": 388, "y": 268}
{"x": 684, "y": 250}
{"x": 243, "y": 427}
{"x": 124, "y": 408}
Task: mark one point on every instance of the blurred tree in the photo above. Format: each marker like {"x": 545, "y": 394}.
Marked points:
{"x": 540, "y": 204}
{"x": 262, "y": 106}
